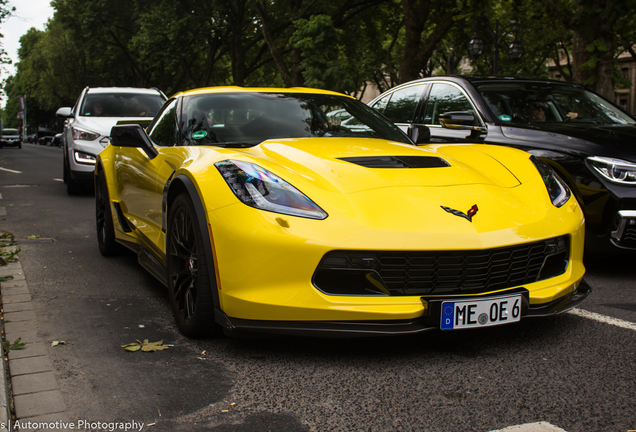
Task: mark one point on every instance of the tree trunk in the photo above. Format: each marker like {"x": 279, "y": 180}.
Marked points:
{"x": 271, "y": 43}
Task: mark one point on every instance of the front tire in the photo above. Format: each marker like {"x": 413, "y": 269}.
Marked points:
{"x": 189, "y": 275}
{"x": 104, "y": 220}
{"x": 72, "y": 187}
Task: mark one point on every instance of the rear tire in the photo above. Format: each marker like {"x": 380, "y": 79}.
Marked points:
{"x": 189, "y": 275}
{"x": 108, "y": 246}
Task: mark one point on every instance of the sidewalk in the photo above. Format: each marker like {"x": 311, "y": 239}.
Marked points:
{"x": 33, "y": 387}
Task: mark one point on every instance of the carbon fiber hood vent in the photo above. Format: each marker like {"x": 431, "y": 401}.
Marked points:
{"x": 398, "y": 161}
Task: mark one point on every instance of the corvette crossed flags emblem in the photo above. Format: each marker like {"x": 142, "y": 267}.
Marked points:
{"x": 468, "y": 216}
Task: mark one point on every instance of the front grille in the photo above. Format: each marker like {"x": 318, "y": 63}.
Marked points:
{"x": 629, "y": 237}
{"x": 440, "y": 272}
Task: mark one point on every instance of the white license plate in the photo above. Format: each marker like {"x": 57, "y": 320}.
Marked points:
{"x": 480, "y": 313}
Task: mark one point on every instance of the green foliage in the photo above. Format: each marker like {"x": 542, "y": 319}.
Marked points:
{"x": 176, "y": 45}
{"x": 323, "y": 58}
{"x": 16, "y": 345}
{"x": 7, "y": 255}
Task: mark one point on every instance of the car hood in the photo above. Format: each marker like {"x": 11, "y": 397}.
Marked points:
{"x": 352, "y": 165}
{"x": 499, "y": 185}
{"x": 588, "y": 139}
{"x": 103, "y": 125}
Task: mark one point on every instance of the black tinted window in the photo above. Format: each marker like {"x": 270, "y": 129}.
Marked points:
{"x": 121, "y": 105}
{"x": 164, "y": 129}
{"x": 402, "y": 106}
{"x": 529, "y": 102}
{"x": 250, "y": 118}
{"x": 442, "y": 99}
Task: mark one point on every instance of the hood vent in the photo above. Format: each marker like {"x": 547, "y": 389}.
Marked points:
{"x": 398, "y": 161}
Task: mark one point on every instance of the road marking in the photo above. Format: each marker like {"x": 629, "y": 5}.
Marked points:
{"x": 604, "y": 319}
{"x": 11, "y": 171}
{"x": 532, "y": 427}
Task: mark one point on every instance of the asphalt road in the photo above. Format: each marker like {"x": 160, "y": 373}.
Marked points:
{"x": 575, "y": 373}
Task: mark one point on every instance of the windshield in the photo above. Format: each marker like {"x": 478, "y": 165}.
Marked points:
{"x": 121, "y": 105}
{"x": 549, "y": 102}
{"x": 250, "y": 118}
{"x": 9, "y": 132}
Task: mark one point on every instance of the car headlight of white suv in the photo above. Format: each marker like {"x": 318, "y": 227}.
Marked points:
{"x": 84, "y": 135}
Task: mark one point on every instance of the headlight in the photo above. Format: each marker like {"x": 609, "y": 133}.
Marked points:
{"x": 614, "y": 170}
{"x": 84, "y": 135}
{"x": 557, "y": 189}
{"x": 259, "y": 188}
{"x": 84, "y": 158}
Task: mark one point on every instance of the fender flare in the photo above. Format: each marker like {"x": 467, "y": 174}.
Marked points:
{"x": 191, "y": 190}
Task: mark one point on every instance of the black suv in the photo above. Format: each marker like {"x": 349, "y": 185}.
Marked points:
{"x": 590, "y": 141}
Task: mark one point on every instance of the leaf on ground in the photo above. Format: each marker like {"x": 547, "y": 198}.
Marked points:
{"x": 145, "y": 346}
{"x": 5, "y": 278}
{"x": 56, "y": 343}
{"x": 32, "y": 237}
{"x": 17, "y": 344}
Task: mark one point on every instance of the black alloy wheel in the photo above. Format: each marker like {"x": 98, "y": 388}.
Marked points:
{"x": 104, "y": 220}
{"x": 189, "y": 275}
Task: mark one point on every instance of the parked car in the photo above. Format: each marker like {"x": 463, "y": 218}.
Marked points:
{"x": 57, "y": 140}
{"x": 261, "y": 215}
{"x": 44, "y": 136}
{"x": 89, "y": 123}
{"x": 46, "y": 140}
{"x": 10, "y": 138}
{"x": 32, "y": 138}
{"x": 587, "y": 139}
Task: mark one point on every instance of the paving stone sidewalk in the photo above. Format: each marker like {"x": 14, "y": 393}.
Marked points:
{"x": 33, "y": 385}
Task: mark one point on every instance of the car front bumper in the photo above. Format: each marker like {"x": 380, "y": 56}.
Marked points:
{"x": 427, "y": 322}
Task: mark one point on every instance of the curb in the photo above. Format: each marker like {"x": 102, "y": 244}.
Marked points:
{"x": 5, "y": 407}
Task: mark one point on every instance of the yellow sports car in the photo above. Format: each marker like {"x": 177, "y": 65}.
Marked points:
{"x": 303, "y": 211}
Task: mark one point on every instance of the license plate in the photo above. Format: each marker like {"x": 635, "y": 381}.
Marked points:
{"x": 480, "y": 313}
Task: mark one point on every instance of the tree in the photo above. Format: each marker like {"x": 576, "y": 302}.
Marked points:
{"x": 597, "y": 27}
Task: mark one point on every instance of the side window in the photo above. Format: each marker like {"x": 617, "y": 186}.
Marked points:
{"x": 381, "y": 104}
{"x": 164, "y": 129}
{"x": 442, "y": 99}
{"x": 403, "y": 104}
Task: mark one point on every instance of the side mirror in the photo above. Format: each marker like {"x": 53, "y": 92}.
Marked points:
{"x": 419, "y": 134}
{"x": 132, "y": 136}
{"x": 464, "y": 120}
{"x": 64, "y": 112}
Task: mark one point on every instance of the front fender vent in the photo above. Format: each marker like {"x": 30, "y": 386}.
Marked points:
{"x": 398, "y": 161}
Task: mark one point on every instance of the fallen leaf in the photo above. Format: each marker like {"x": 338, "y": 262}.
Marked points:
{"x": 131, "y": 347}
{"x": 32, "y": 237}
{"x": 145, "y": 346}
{"x": 56, "y": 343}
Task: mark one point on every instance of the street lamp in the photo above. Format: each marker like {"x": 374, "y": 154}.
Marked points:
{"x": 476, "y": 44}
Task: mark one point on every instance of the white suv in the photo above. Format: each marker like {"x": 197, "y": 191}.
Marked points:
{"x": 87, "y": 129}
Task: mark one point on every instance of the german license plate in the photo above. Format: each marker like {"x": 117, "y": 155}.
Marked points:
{"x": 480, "y": 313}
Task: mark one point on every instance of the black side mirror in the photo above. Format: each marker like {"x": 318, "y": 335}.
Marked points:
{"x": 419, "y": 134}
{"x": 132, "y": 136}
{"x": 464, "y": 120}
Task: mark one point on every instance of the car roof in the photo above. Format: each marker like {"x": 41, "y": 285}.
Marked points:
{"x": 474, "y": 79}
{"x": 237, "y": 89}
{"x": 123, "y": 90}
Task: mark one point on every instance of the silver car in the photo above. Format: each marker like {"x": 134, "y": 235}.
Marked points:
{"x": 10, "y": 137}
{"x": 87, "y": 129}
